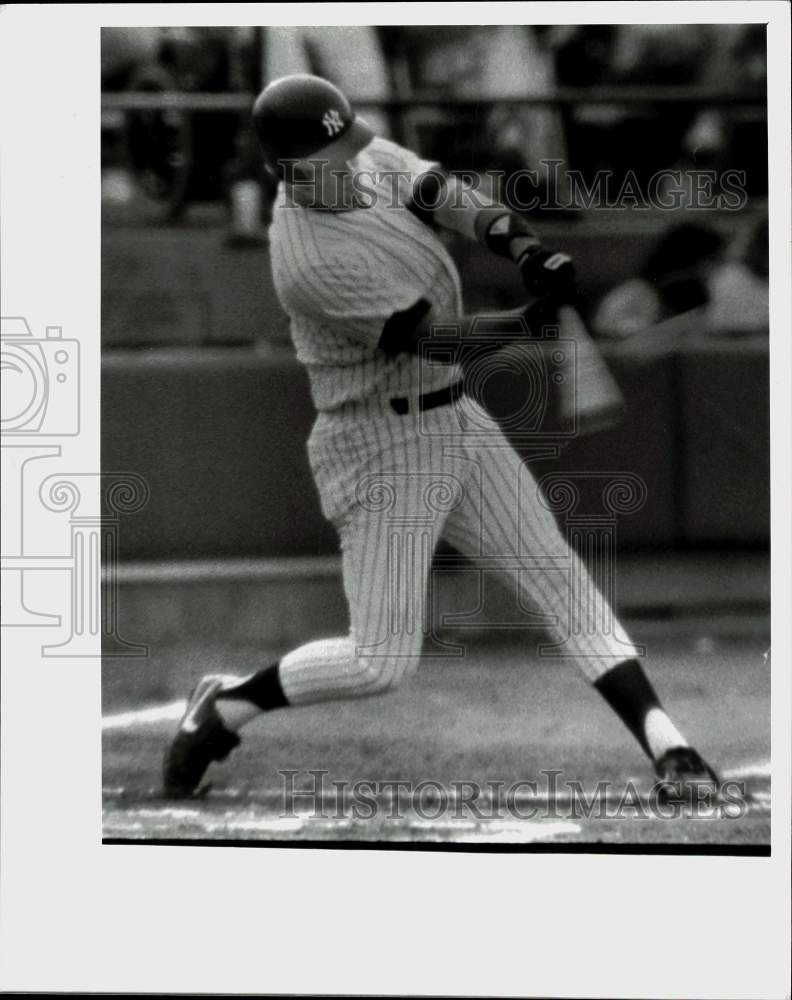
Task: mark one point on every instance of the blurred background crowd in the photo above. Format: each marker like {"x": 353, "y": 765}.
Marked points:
{"x": 501, "y": 64}
{"x": 454, "y": 93}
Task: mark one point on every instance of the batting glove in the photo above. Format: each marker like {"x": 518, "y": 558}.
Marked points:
{"x": 548, "y": 274}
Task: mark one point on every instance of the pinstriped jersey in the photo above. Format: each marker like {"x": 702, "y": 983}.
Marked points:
{"x": 341, "y": 275}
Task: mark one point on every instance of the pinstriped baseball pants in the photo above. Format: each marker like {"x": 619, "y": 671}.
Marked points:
{"x": 393, "y": 486}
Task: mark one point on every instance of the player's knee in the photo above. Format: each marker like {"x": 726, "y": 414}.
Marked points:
{"x": 380, "y": 674}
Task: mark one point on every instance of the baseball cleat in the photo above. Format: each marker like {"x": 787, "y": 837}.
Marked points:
{"x": 200, "y": 739}
{"x": 685, "y": 777}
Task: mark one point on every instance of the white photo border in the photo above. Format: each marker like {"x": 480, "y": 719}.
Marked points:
{"x": 79, "y": 915}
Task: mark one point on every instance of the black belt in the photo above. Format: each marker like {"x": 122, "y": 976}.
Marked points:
{"x": 428, "y": 400}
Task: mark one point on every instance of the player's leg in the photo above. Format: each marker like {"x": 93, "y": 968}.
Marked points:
{"x": 387, "y": 544}
{"x": 388, "y": 520}
{"x": 504, "y": 517}
{"x": 387, "y": 550}
{"x": 386, "y": 564}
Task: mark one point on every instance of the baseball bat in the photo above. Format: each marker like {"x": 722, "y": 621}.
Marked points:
{"x": 590, "y": 399}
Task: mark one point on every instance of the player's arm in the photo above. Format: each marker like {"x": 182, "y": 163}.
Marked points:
{"x": 443, "y": 200}
{"x": 407, "y": 330}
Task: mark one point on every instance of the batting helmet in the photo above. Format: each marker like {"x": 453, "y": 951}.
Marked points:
{"x": 301, "y": 115}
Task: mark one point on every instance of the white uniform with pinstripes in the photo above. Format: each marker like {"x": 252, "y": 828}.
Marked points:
{"x": 393, "y": 485}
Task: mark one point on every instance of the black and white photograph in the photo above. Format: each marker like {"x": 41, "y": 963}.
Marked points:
{"x": 443, "y": 375}
{"x": 396, "y": 487}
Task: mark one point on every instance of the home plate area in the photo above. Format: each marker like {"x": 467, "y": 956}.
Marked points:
{"x": 492, "y": 750}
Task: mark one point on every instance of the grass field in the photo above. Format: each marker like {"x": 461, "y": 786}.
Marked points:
{"x": 495, "y": 715}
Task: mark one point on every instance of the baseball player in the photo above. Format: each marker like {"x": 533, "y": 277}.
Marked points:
{"x": 400, "y": 454}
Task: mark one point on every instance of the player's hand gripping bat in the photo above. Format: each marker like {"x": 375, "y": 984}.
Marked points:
{"x": 590, "y": 399}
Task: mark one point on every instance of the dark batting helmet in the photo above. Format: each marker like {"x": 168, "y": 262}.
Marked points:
{"x": 299, "y": 116}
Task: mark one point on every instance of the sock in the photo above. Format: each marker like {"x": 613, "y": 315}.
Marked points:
{"x": 629, "y": 692}
{"x": 242, "y": 702}
{"x": 661, "y": 733}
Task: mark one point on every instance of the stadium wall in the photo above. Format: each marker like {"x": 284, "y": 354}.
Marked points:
{"x": 219, "y": 434}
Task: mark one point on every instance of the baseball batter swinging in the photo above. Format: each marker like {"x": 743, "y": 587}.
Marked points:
{"x": 401, "y": 456}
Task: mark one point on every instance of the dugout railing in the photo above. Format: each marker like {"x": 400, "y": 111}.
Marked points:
{"x": 172, "y": 141}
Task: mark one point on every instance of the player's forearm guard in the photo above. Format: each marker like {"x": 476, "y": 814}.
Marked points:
{"x": 496, "y": 227}
{"x": 545, "y": 273}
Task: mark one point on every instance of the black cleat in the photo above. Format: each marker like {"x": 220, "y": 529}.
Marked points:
{"x": 685, "y": 777}
{"x": 200, "y": 739}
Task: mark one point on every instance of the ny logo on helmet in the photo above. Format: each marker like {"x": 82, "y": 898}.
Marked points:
{"x": 332, "y": 122}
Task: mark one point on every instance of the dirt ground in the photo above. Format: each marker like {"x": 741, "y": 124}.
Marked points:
{"x": 498, "y": 747}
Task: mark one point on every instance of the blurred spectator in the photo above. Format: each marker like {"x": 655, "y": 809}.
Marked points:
{"x": 250, "y": 191}
{"x": 738, "y": 292}
{"x": 196, "y": 58}
{"x": 626, "y": 138}
{"x": 480, "y": 63}
{"x": 181, "y": 156}
{"x": 678, "y": 265}
{"x": 693, "y": 267}
{"x": 645, "y": 140}
{"x": 659, "y": 54}
{"x": 671, "y": 281}
{"x": 583, "y": 53}
{"x": 729, "y": 137}
{"x": 351, "y": 57}
{"x": 123, "y": 51}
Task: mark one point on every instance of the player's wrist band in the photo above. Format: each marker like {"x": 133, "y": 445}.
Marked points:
{"x": 496, "y": 227}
